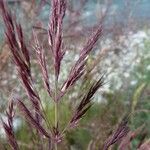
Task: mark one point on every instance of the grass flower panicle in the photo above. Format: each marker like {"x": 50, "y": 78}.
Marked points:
{"x": 21, "y": 57}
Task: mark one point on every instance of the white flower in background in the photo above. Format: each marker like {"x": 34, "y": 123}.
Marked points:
{"x": 120, "y": 65}
{"x": 133, "y": 82}
{"x": 126, "y": 74}
{"x": 148, "y": 67}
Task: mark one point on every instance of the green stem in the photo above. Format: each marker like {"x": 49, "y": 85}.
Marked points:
{"x": 56, "y": 108}
{"x": 56, "y": 113}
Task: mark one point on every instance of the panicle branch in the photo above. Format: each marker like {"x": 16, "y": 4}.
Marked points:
{"x": 79, "y": 68}
{"x": 55, "y": 33}
{"x": 42, "y": 62}
{"x": 8, "y": 126}
{"x": 85, "y": 103}
{"x": 57, "y": 137}
{"x": 31, "y": 119}
{"x": 120, "y": 132}
{"x": 21, "y": 56}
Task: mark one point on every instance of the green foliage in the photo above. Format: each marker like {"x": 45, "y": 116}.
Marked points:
{"x": 140, "y": 106}
{"x": 79, "y": 137}
{"x": 136, "y": 96}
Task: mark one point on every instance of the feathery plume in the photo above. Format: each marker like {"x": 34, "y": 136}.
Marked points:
{"x": 20, "y": 54}
{"x": 79, "y": 68}
{"x": 120, "y": 132}
{"x": 8, "y": 127}
{"x": 42, "y": 62}
{"x": 85, "y": 103}
{"x": 55, "y": 32}
{"x": 30, "y": 118}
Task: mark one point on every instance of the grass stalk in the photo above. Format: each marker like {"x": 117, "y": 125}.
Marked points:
{"x": 56, "y": 108}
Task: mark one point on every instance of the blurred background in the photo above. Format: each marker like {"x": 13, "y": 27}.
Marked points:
{"x": 122, "y": 54}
